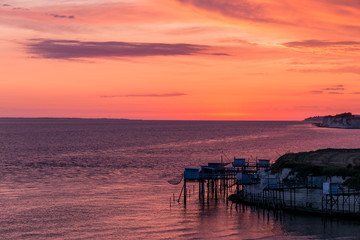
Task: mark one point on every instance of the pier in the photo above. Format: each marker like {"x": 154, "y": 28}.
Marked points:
{"x": 252, "y": 183}
{"x": 219, "y": 179}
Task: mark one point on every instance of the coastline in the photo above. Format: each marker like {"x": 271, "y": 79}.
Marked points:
{"x": 325, "y": 182}
{"x": 342, "y": 121}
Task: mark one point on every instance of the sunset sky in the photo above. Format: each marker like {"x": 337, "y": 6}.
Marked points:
{"x": 179, "y": 59}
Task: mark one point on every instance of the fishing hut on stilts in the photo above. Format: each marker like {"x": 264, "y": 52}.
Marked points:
{"x": 219, "y": 179}
{"x": 297, "y": 187}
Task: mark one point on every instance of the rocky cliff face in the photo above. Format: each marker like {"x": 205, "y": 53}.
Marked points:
{"x": 344, "y": 120}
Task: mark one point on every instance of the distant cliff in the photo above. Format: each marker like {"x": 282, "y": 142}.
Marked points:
{"x": 315, "y": 119}
{"x": 343, "y": 120}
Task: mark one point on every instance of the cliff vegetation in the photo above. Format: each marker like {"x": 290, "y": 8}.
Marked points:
{"x": 323, "y": 162}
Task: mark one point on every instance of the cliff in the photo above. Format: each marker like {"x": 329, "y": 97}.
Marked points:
{"x": 344, "y": 120}
{"x": 323, "y": 182}
{"x": 324, "y": 162}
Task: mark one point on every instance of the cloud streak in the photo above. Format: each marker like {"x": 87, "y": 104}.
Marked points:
{"x": 62, "y": 16}
{"x": 290, "y": 13}
{"x": 71, "y": 49}
{"x": 336, "y": 89}
{"x": 241, "y": 9}
{"x": 13, "y": 8}
{"x": 153, "y": 95}
{"x": 341, "y": 70}
{"x": 319, "y": 44}
{"x": 316, "y": 92}
{"x": 346, "y": 3}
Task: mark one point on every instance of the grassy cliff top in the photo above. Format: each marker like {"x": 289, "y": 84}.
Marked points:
{"x": 338, "y": 158}
{"x": 323, "y": 162}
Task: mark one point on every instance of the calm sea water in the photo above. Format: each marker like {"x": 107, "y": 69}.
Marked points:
{"x": 108, "y": 179}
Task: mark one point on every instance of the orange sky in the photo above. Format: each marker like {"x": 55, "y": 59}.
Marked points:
{"x": 179, "y": 59}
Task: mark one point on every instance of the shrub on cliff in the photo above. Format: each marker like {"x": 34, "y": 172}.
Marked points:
{"x": 323, "y": 162}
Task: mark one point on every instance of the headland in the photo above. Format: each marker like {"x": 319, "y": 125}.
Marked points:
{"x": 325, "y": 182}
{"x": 343, "y": 120}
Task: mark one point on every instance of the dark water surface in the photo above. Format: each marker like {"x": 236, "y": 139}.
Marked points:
{"x": 108, "y": 179}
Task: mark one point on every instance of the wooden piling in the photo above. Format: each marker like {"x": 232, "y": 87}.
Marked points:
{"x": 185, "y": 190}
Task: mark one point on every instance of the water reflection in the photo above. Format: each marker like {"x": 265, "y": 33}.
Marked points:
{"x": 99, "y": 179}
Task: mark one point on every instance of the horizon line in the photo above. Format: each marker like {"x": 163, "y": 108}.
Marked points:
{"x": 130, "y": 119}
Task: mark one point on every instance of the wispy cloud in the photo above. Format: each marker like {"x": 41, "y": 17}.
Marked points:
{"x": 71, "y": 49}
{"x": 291, "y": 13}
{"x": 62, "y": 16}
{"x": 85, "y": 15}
{"x": 238, "y": 41}
{"x": 316, "y": 92}
{"x": 12, "y": 7}
{"x": 335, "y": 89}
{"x": 319, "y": 44}
{"x": 20, "y": 8}
{"x": 346, "y": 3}
{"x": 242, "y": 9}
{"x": 348, "y": 69}
{"x": 320, "y": 47}
{"x": 155, "y": 95}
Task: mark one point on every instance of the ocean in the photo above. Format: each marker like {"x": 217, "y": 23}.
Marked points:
{"x": 109, "y": 179}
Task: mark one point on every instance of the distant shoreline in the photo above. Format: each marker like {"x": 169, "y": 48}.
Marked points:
{"x": 342, "y": 121}
{"x": 126, "y": 119}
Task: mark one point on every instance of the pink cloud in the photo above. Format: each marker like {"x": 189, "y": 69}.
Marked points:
{"x": 320, "y": 44}
{"x": 348, "y": 69}
{"x": 345, "y": 3}
{"x": 155, "y": 95}
{"x": 242, "y": 9}
{"x": 325, "y": 18}
{"x": 62, "y": 16}
{"x": 49, "y": 17}
{"x": 72, "y": 49}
